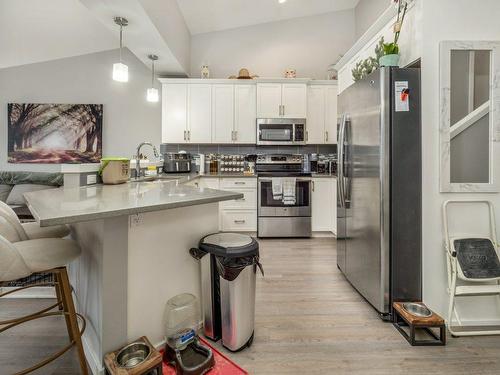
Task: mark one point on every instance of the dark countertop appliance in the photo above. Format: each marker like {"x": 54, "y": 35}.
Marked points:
{"x": 177, "y": 162}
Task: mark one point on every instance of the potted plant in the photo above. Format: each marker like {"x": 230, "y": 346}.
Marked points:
{"x": 391, "y": 50}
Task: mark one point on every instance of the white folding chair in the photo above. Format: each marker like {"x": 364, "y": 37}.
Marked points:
{"x": 468, "y": 286}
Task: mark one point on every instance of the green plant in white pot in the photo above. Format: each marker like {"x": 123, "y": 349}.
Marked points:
{"x": 391, "y": 50}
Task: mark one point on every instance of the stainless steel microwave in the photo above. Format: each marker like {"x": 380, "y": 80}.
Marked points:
{"x": 281, "y": 131}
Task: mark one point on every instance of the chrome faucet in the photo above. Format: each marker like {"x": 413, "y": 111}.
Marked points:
{"x": 137, "y": 157}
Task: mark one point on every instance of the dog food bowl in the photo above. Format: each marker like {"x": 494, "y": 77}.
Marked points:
{"x": 133, "y": 355}
{"x": 417, "y": 309}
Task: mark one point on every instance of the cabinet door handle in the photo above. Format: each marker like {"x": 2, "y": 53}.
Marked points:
{"x": 235, "y": 135}
{"x": 240, "y": 221}
{"x": 312, "y": 183}
{"x": 326, "y": 133}
{"x": 240, "y": 183}
{"x": 184, "y": 135}
{"x": 307, "y": 136}
{"x": 189, "y": 135}
{"x": 283, "y": 110}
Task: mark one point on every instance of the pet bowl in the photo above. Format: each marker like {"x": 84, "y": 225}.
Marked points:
{"x": 417, "y": 309}
{"x": 133, "y": 354}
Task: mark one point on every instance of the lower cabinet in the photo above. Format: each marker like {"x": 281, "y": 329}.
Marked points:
{"x": 238, "y": 215}
{"x": 239, "y": 220}
{"x": 324, "y": 204}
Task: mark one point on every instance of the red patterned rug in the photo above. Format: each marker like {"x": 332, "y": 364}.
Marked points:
{"x": 223, "y": 365}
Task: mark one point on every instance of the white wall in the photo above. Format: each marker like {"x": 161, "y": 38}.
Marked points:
{"x": 42, "y": 30}
{"x": 128, "y": 117}
{"x": 308, "y": 44}
{"x": 465, "y": 20}
{"x": 366, "y": 12}
{"x": 168, "y": 19}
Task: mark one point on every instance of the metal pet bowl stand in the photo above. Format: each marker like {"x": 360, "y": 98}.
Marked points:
{"x": 136, "y": 358}
{"x": 415, "y": 316}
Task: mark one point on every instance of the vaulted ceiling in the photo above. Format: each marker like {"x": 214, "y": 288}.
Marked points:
{"x": 41, "y": 30}
{"x": 213, "y": 15}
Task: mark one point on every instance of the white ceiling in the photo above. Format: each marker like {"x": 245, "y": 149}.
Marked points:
{"x": 204, "y": 16}
{"x": 42, "y": 30}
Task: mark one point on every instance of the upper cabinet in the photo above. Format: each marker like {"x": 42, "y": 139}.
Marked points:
{"x": 225, "y": 111}
{"x": 245, "y": 114}
{"x": 174, "y": 112}
{"x": 186, "y": 113}
{"x": 322, "y": 114}
{"x": 199, "y": 114}
{"x": 286, "y": 100}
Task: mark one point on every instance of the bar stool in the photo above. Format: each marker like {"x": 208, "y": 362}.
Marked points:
{"x": 31, "y": 231}
{"x": 19, "y": 259}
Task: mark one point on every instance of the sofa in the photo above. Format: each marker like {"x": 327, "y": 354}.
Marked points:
{"x": 14, "y": 184}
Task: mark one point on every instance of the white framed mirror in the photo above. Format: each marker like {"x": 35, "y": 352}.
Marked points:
{"x": 470, "y": 116}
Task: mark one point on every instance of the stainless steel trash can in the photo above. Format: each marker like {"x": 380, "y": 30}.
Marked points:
{"x": 229, "y": 263}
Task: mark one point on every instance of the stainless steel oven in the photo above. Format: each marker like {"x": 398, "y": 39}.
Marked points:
{"x": 275, "y": 218}
{"x": 280, "y": 131}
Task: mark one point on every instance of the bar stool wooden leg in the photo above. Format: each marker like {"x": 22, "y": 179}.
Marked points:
{"x": 69, "y": 309}
{"x": 63, "y": 307}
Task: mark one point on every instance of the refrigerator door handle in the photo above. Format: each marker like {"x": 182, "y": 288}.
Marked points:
{"x": 340, "y": 166}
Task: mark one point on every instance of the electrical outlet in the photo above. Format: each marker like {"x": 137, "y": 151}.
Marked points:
{"x": 136, "y": 220}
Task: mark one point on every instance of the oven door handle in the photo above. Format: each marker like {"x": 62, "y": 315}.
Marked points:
{"x": 265, "y": 179}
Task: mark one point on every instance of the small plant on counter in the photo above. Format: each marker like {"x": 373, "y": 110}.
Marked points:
{"x": 391, "y": 50}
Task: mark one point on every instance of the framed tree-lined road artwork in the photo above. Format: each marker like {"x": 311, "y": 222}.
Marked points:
{"x": 54, "y": 133}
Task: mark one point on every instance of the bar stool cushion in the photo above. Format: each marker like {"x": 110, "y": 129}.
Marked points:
{"x": 29, "y": 231}
{"x": 47, "y": 253}
{"x": 35, "y": 231}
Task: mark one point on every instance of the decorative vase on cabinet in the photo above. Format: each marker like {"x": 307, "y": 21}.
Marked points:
{"x": 389, "y": 60}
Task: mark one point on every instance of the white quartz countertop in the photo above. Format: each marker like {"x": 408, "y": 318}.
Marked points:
{"x": 73, "y": 205}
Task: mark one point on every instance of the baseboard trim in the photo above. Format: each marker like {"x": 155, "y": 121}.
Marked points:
{"x": 95, "y": 365}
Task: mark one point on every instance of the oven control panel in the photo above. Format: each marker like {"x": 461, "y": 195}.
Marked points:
{"x": 279, "y": 159}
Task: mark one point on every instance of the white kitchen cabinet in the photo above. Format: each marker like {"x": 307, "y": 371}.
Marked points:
{"x": 331, "y": 114}
{"x": 322, "y": 114}
{"x": 323, "y": 198}
{"x": 223, "y": 113}
{"x": 286, "y": 100}
{"x": 174, "y": 112}
{"x": 199, "y": 113}
{"x": 239, "y": 220}
{"x": 294, "y": 100}
{"x": 245, "y": 113}
{"x": 316, "y": 104}
{"x": 269, "y": 100}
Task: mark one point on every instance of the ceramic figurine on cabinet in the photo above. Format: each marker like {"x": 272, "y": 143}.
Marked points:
{"x": 205, "y": 73}
{"x": 290, "y": 73}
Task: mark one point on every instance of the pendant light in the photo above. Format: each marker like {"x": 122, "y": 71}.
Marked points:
{"x": 120, "y": 70}
{"x": 152, "y": 92}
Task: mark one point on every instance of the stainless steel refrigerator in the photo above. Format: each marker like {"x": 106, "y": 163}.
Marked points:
{"x": 379, "y": 187}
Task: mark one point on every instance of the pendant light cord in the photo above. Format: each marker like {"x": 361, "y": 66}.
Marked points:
{"x": 121, "y": 38}
{"x": 153, "y": 73}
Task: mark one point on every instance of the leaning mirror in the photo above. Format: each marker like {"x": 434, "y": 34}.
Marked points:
{"x": 470, "y": 120}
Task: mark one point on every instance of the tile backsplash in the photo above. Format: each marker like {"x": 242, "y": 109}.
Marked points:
{"x": 246, "y": 149}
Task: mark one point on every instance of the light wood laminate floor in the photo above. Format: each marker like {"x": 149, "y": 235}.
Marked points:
{"x": 309, "y": 320}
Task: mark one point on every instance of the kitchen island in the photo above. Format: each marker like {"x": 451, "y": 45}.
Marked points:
{"x": 135, "y": 239}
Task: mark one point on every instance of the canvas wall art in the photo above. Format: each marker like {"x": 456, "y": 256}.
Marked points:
{"x": 54, "y": 133}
